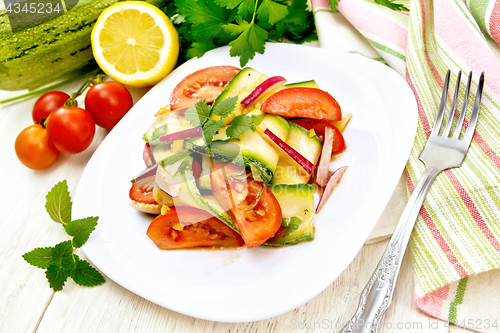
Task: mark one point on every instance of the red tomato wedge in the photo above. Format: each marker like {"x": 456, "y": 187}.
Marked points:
{"x": 258, "y": 215}
{"x": 140, "y": 194}
{"x": 198, "y": 229}
{"x": 319, "y": 128}
{"x": 206, "y": 83}
{"x": 303, "y": 102}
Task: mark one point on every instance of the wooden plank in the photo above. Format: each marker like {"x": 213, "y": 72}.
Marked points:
{"x": 111, "y": 308}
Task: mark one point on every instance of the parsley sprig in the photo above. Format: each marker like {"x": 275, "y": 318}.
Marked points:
{"x": 387, "y": 3}
{"x": 245, "y": 25}
{"x": 60, "y": 261}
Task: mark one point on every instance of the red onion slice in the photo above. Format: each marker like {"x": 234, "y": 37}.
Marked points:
{"x": 194, "y": 132}
{"x": 260, "y": 89}
{"x": 295, "y": 155}
{"x": 148, "y": 156}
{"x": 326, "y": 156}
{"x": 332, "y": 182}
{"x": 148, "y": 172}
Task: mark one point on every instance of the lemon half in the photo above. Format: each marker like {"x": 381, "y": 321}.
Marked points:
{"x": 135, "y": 43}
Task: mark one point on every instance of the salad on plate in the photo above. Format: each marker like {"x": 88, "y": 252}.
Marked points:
{"x": 236, "y": 158}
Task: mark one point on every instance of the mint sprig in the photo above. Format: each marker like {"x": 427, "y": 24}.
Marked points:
{"x": 60, "y": 261}
{"x": 199, "y": 115}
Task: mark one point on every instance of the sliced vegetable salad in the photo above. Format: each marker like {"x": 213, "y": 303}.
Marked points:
{"x": 235, "y": 159}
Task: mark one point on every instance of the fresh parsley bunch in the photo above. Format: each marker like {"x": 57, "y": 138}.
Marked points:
{"x": 245, "y": 25}
{"x": 60, "y": 261}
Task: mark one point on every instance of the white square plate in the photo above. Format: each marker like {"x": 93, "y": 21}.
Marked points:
{"x": 252, "y": 284}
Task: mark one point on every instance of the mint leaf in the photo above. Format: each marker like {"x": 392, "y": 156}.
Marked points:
{"x": 294, "y": 225}
{"x": 158, "y": 132}
{"x": 251, "y": 39}
{"x": 81, "y": 230}
{"x": 40, "y": 257}
{"x": 210, "y": 128}
{"x": 56, "y": 276}
{"x": 197, "y": 115}
{"x": 271, "y": 11}
{"x": 239, "y": 125}
{"x": 225, "y": 107}
{"x": 62, "y": 255}
{"x": 86, "y": 275}
{"x": 58, "y": 203}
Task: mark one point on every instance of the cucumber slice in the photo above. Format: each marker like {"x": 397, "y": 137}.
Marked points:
{"x": 208, "y": 203}
{"x": 276, "y": 124}
{"x": 241, "y": 85}
{"x": 164, "y": 156}
{"x": 242, "y": 152}
{"x": 287, "y": 170}
{"x": 306, "y": 84}
{"x": 166, "y": 123}
{"x": 206, "y": 169}
{"x": 342, "y": 123}
{"x": 297, "y": 202}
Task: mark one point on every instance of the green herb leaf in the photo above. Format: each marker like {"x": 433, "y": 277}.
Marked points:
{"x": 57, "y": 276}
{"x": 239, "y": 125}
{"x": 392, "y": 5}
{"x": 256, "y": 120}
{"x": 86, "y": 275}
{"x": 251, "y": 39}
{"x": 159, "y": 132}
{"x": 40, "y": 257}
{"x": 272, "y": 11}
{"x": 294, "y": 225}
{"x": 257, "y": 199}
{"x": 210, "y": 128}
{"x": 186, "y": 164}
{"x": 229, "y": 4}
{"x": 198, "y": 114}
{"x": 225, "y": 107}
{"x": 333, "y": 5}
{"x": 204, "y": 15}
{"x": 198, "y": 48}
{"x": 81, "y": 230}
{"x": 58, "y": 203}
{"x": 62, "y": 255}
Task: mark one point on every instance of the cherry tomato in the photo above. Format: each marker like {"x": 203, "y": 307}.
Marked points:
{"x": 71, "y": 129}
{"x": 319, "y": 128}
{"x": 198, "y": 229}
{"x": 108, "y": 102}
{"x": 206, "y": 83}
{"x": 47, "y": 103}
{"x": 303, "y": 102}
{"x": 140, "y": 194}
{"x": 34, "y": 149}
{"x": 257, "y": 216}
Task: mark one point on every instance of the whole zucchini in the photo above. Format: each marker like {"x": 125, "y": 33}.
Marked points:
{"x": 38, "y": 55}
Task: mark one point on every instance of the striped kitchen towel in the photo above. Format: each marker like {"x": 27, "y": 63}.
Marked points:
{"x": 455, "y": 245}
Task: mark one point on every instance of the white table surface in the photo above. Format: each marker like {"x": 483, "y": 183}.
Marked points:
{"x": 27, "y": 304}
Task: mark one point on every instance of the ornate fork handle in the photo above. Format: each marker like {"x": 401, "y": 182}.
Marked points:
{"x": 377, "y": 294}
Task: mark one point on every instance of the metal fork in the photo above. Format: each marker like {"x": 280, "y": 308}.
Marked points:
{"x": 440, "y": 153}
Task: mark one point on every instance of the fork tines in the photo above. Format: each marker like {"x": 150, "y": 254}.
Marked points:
{"x": 447, "y": 132}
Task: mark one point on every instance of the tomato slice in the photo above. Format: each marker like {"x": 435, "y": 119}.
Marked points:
{"x": 303, "y": 102}
{"x": 206, "y": 83}
{"x": 319, "y": 126}
{"x": 143, "y": 194}
{"x": 257, "y": 214}
{"x": 198, "y": 229}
